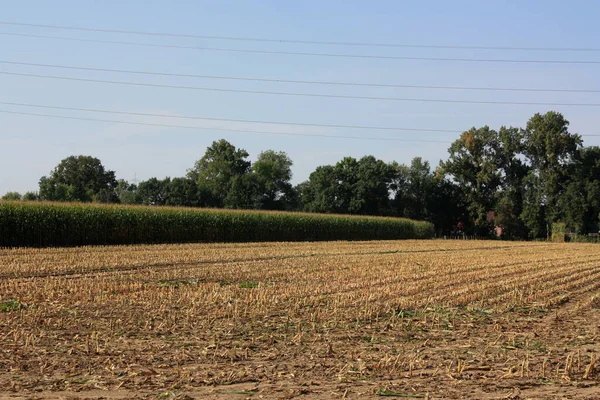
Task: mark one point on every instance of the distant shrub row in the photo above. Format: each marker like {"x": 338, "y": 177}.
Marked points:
{"x": 28, "y": 224}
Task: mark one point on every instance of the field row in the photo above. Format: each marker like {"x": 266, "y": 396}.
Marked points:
{"x": 181, "y": 318}
{"x": 44, "y": 224}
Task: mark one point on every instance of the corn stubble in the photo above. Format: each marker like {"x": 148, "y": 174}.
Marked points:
{"x": 385, "y": 315}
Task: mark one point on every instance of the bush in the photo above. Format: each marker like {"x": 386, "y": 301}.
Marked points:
{"x": 589, "y": 238}
{"x": 43, "y": 224}
{"x": 558, "y": 232}
{"x": 12, "y": 196}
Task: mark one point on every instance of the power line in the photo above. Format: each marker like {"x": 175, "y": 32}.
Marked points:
{"x": 219, "y": 129}
{"x": 290, "y": 41}
{"x": 330, "y": 83}
{"x": 385, "y": 128}
{"x": 318, "y": 95}
{"x": 96, "y": 110}
{"x": 292, "y": 53}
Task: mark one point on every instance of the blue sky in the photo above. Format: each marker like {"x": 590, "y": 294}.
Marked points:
{"x": 31, "y": 146}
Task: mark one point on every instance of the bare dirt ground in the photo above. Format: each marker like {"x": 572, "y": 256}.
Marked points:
{"x": 430, "y": 320}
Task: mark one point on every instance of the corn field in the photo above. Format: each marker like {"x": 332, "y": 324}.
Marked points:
{"x": 417, "y": 319}
{"x": 33, "y": 224}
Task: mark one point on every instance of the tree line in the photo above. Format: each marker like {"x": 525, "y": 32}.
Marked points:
{"x": 521, "y": 180}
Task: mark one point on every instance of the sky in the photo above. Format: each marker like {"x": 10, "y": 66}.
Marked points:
{"x": 31, "y": 146}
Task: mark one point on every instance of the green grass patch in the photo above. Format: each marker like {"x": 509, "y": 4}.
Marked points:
{"x": 12, "y": 305}
{"x": 391, "y": 393}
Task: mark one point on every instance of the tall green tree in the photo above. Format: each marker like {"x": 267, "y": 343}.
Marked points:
{"x": 126, "y": 192}
{"x": 243, "y": 192}
{"x": 580, "y": 202}
{"x": 273, "y": 172}
{"x": 371, "y": 191}
{"x": 420, "y": 193}
{"x": 509, "y": 204}
{"x": 550, "y": 149}
{"x": 346, "y": 176}
{"x": 318, "y": 194}
{"x": 473, "y": 165}
{"x": 399, "y": 188}
{"x": 31, "y": 196}
{"x": 214, "y": 173}
{"x": 412, "y": 200}
{"x": 182, "y": 192}
{"x": 534, "y": 207}
{"x": 446, "y": 209}
{"x": 350, "y": 187}
{"x": 79, "y": 178}
{"x": 153, "y": 192}
{"x": 12, "y": 196}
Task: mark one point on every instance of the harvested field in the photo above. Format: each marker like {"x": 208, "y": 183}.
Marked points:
{"x": 412, "y": 319}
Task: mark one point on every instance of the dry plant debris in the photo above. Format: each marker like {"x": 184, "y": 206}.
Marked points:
{"x": 412, "y": 319}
